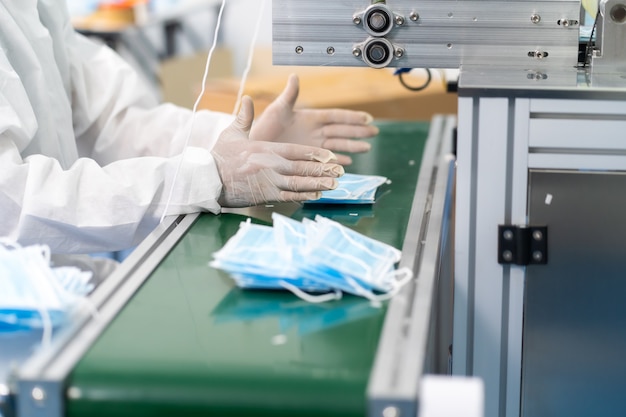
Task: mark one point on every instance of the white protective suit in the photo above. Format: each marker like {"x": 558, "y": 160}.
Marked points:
{"x": 74, "y": 118}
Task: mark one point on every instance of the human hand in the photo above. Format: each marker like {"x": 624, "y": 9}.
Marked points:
{"x": 332, "y": 129}
{"x": 256, "y": 172}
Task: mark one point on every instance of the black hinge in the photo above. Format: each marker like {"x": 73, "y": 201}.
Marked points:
{"x": 522, "y": 245}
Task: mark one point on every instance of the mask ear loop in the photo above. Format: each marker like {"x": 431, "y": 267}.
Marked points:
{"x": 46, "y": 320}
{"x": 405, "y": 275}
{"x": 359, "y": 290}
{"x": 78, "y": 301}
{"x": 400, "y": 277}
{"x": 336, "y": 295}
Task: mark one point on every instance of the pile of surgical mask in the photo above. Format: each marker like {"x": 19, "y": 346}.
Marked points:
{"x": 33, "y": 295}
{"x": 352, "y": 189}
{"x": 311, "y": 257}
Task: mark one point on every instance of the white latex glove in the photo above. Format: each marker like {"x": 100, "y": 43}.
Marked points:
{"x": 332, "y": 129}
{"x": 256, "y": 172}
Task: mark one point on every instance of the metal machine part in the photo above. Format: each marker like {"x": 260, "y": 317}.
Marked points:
{"x": 410, "y": 333}
{"x": 609, "y": 54}
{"x": 434, "y": 34}
{"x": 515, "y": 326}
{"x": 573, "y": 307}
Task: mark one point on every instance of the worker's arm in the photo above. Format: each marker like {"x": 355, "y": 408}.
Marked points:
{"x": 116, "y": 115}
{"x": 50, "y": 195}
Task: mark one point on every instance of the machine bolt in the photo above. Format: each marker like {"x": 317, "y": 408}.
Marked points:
{"x": 299, "y": 50}
{"x": 535, "y": 18}
{"x": 537, "y": 256}
{"x": 391, "y": 412}
{"x": 399, "y": 52}
{"x": 414, "y": 16}
{"x": 399, "y": 20}
{"x": 38, "y": 394}
{"x": 567, "y": 23}
{"x": 356, "y": 20}
{"x": 537, "y": 76}
{"x": 356, "y": 52}
{"x": 507, "y": 255}
{"x": 537, "y": 235}
{"x": 507, "y": 235}
{"x": 330, "y": 50}
{"x": 537, "y": 54}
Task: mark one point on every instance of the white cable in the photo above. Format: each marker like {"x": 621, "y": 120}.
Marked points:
{"x": 195, "y": 107}
{"x": 246, "y": 71}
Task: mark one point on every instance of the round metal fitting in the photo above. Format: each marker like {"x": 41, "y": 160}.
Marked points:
{"x": 537, "y": 235}
{"x": 535, "y": 18}
{"x": 538, "y": 54}
{"x": 299, "y": 50}
{"x": 391, "y": 412}
{"x": 399, "y": 52}
{"x": 399, "y": 20}
{"x": 414, "y": 16}
{"x": 356, "y": 20}
{"x": 330, "y": 50}
{"x": 356, "y": 52}
{"x": 537, "y": 256}
{"x": 507, "y": 235}
{"x": 38, "y": 394}
{"x": 378, "y": 52}
{"x": 507, "y": 255}
{"x": 618, "y": 13}
{"x": 378, "y": 20}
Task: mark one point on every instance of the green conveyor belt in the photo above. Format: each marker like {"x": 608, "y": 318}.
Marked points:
{"x": 190, "y": 343}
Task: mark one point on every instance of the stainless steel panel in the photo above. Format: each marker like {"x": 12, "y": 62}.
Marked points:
{"x": 436, "y": 33}
{"x": 574, "y": 309}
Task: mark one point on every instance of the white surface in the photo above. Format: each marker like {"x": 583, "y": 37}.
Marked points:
{"x": 444, "y": 396}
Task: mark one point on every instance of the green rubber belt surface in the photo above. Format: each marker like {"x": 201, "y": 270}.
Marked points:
{"x": 191, "y": 343}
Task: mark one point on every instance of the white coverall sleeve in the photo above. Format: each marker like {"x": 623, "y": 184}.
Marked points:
{"x": 116, "y": 116}
{"x": 129, "y": 149}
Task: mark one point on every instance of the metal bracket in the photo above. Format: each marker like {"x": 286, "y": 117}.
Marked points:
{"x": 522, "y": 245}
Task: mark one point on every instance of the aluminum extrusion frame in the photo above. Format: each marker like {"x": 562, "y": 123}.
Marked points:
{"x": 406, "y": 340}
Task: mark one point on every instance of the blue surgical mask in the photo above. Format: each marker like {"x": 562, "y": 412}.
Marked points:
{"x": 255, "y": 258}
{"x": 253, "y": 250}
{"x": 315, "y": 256}
{"x": 34, "y": 295}
{"x": 352, "y": 262}
{"x": 352, "y": 189}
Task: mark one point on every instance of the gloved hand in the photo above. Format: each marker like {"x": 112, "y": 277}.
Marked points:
{"x": 256, "y": 172}
{"x": 332, "y": 129}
